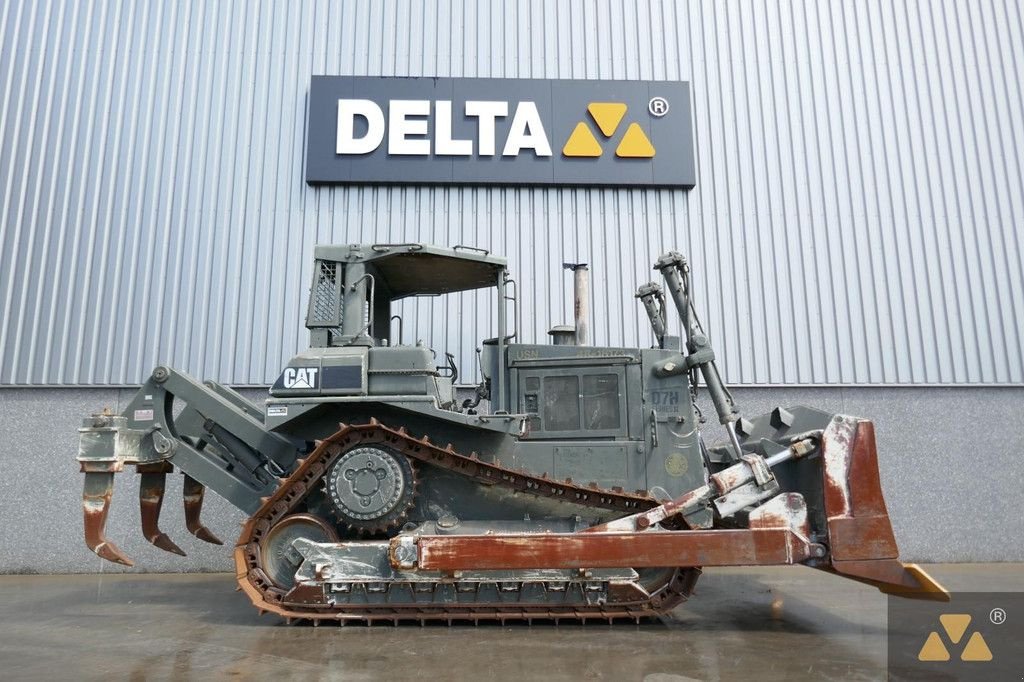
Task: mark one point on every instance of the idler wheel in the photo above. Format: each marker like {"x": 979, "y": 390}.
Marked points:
{"x": 280, "y": 559}
{"x": 371, "y": 488}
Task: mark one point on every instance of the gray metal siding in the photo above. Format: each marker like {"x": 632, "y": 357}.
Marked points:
{"x": 859, "y": 181}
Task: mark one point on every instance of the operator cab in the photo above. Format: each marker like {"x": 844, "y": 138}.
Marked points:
{"x": 351, "y": 319}
{"x": 354, "y": 286}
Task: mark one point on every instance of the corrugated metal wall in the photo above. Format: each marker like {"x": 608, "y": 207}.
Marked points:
{"x": 859, "y": 182}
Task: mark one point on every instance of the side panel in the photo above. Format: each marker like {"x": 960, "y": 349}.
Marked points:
{"x": 324, "y": 371}
{"x": 674, "y": 462}
{"x": 358, "y": 370}
{"x": 607, "y": 463}
{"x": 599, "y": 414}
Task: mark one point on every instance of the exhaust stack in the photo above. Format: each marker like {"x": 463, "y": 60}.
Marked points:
{"x": 581, "y": 301}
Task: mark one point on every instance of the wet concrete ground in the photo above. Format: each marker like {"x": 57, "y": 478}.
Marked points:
{"x": 769, "y": 624}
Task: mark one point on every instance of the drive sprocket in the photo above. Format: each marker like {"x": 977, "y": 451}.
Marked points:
{"x": 371, "y": 488}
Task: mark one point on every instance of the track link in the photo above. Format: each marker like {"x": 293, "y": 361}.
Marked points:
{"x": 303, "y": 604}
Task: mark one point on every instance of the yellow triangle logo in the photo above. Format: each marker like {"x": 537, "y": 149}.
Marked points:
{"x": 582, "y": 142}
{"x": 635, "y": 144}
{"x": 607, "y": 115}
{"x": 955, "y": 625}
{"x": 933, "y": 649}
{"x": 976, "y": 649}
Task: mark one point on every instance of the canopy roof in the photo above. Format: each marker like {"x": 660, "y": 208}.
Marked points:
{"x": 419, "y": 269}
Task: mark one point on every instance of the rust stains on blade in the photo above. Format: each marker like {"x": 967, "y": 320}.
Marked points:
{"x": 152, "y": 483}
{"x": 96, "y": 494}
{"x": 192, "y": 493}
{"x": 858, "y": 521}
{"x": 861, "y": 540}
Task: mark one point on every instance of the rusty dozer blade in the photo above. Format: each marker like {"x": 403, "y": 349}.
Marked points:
{"x": 96, "y": 494}
{"x": 861, "y": 542}
{"x": 193, "y": 492}
{"x": 153, "y": 481}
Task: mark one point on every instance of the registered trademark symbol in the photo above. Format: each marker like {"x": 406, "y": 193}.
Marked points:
{"x": 997, "y": 616}
{"x": 658, "y": 106}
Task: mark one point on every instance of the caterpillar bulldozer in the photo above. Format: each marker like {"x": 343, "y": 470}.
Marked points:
{"x": 574, "y": 485}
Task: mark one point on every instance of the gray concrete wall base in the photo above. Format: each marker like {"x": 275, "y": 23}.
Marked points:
{"x": 950, "y": 462}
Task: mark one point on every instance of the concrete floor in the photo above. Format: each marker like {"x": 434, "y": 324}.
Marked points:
{"x": 776, "y": 623}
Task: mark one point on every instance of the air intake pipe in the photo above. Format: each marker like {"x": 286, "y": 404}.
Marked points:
{"x": 653, "y": 298}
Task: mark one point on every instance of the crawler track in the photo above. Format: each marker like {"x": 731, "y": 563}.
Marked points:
{"x": 445, "y": 601}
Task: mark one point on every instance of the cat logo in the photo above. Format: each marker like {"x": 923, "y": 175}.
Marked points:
{"x": 607, "y": 115}
{"x": 955, "y": 625}
{"x": 300, "y": 377}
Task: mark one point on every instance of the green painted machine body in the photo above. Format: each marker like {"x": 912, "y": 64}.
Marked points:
{"x": 590, "y": 413}
{"x": 573, "y": 483}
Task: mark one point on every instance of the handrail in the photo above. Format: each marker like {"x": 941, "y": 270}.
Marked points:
{"x": 370, "y": 316}
{"x": 400, "y": 324}
{"x": 515, "y": 307}
{"x": 380, "y": 248}
{"x": 463, "y": 247}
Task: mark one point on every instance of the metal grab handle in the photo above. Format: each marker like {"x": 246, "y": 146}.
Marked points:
{"x": 387, "y": 247}
{"x": 463, "y": 247}
{"x": 514, "y": 298}
{"x": 399, "y": 318}
{"x": 373, "y": 288}
{"x": 451, "y": 368}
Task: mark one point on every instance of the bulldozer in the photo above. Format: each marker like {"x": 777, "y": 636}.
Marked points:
{"x": 574, "y": 484}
